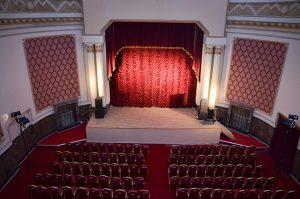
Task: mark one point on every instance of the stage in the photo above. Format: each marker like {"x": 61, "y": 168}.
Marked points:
{"x": 153, "y": 126}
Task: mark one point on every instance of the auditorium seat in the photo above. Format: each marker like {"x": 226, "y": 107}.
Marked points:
{"x": 94, "y": 193}
{"x": 107, "y": 193}
{"x": 132, "y": 194}
{"x": 120, "y": 194}
{"x": 104, "y": 181}
{"x": 229, "y": 194}
{"x": 68, "y": 180}
{"x": 86, "y": 157}
{"x": 266, "y": 194}
{"x": 82, "y": 193}
{"x": 196, "y": 181}
{"x": 34, "y": 191}
{"x": 143, "y": 170}
{"x": 127, "y": 183}
{"x": 194, "y": 193}
{"x": 144, "y": 194}
{"x": 242, "y": 194}
{"x": 56, "y": 193}
{"x": 77, "y": 157}
{"x": 115, "y": 183}
{"x": 200, "y": 159}
{"x": 115, "y": 170}
{"x": 85, "y": 168}
{"x": 174, "y": 182}
{"x": 105, "y": 169}
{"x": 217, "y": 194}
{"x": 192, "y": 171}
{"x": 76, "y": 168}
{"x": 205, "y": 193}
{"x": 185, "y": 182}
{"x": 112, "y": 158}
{"x": 182, "y": 193}
{"x": 139, "y": 183}
{"x": 207, "y": 182}
{"x": 103, "y": 157}
{"x": 58, "y": 180}
{"x": 92, "y": 181}
{"x": 182, "y": 170}
{"x": 68, "y": 192}
{"x": 122, "y": 158}
{"x": 124, "y": 170}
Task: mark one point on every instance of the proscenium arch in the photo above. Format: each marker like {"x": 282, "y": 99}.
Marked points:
{"x": 198, "y": 23}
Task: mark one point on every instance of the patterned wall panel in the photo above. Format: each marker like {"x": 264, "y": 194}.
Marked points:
{"x": 255, "y": 73}
{"x": 52, "y": 68}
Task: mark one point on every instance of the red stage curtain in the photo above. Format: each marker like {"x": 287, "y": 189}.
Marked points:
{"x": 148, "y": 77}
{"x": 128, "y": 34}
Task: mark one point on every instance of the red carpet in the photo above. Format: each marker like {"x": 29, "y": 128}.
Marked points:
{"x": 157, "y": 181}
{"x": 70, "y": 135}
{"x": 243, "y": 139}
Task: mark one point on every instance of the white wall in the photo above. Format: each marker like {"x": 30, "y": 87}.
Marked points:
{"x": 15, "y": 89}
{"x": 288, "y": 96}
{"x": 210, "y": 13}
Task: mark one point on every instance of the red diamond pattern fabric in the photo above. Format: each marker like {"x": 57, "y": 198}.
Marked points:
{"x": 255, "y": 73}
{"x": 52, "y": 68}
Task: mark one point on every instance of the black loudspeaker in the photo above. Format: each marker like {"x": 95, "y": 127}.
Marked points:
{"x": 202, "y": 110}
{"x": 99, "y": 112}
{"x": 98, "y": 102}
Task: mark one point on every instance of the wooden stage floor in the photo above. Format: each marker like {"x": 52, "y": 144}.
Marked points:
{"x": 153, "y": 126}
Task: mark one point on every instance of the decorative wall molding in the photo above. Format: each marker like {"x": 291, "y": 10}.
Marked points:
{"x": 73, "y": 6}
{"x": 268, "y": 9}
{"x": 264, "y": 25}
{"x": 39, "y": 21}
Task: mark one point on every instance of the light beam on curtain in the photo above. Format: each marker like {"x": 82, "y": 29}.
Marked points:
{"x": 158, "y": 77}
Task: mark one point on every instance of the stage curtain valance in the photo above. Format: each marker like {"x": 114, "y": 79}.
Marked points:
{"x": 120, "y": 35}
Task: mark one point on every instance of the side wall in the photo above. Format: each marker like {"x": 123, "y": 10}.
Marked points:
{"x": 288, "y": 97}
{"x": 15, "y": 89}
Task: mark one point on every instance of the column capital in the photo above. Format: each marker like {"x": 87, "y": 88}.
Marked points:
{"x": 215, "y": 41}
{"x": 90, "y": 47}
{"x": 209, "y": 49}
{"x": 93, "y": 39}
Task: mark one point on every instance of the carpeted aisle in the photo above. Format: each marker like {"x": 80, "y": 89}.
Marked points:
{"x": 157, "y": 181}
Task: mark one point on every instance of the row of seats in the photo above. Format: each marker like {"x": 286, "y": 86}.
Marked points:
{"x": 212, "y": 159}
{"x": 129, "y": 158}
{"x": 116, "y": 170}
{"x": 222, "y": 182}
{"x": 229, "y": 170}
{"x": 205, "y": 193}
{"x": 66, "y": 192}
{"x": 90, "y": 181}
{"x": 108, "y": 148}
{"x": 212, "y": 149}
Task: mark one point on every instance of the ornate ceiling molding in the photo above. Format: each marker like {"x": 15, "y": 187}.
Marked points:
{"x": 40, "y": 21}
{"x": 291, "y": 27}
{"x": 270, "y": 9}
{"x": 70, "y": 6}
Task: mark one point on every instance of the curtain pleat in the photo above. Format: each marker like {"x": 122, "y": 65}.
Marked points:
{"x": 147, "y": 77}
{"x": 123, "y": 34}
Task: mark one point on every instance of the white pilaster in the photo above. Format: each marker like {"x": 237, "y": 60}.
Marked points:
{"x": 97, "y": 74}
{"x": 211, "y": 69}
